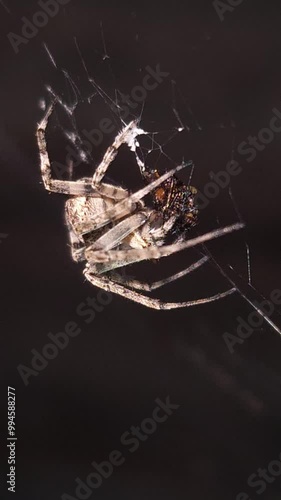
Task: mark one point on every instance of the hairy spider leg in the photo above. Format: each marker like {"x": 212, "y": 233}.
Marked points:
{"x": 154, "y": 252}
{"x": 149, "y": 287}
{"x": 110, "y": 286}
{"x": 126, "y": 136}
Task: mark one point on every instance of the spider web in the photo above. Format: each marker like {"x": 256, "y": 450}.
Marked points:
{"x": 158, "y": 148}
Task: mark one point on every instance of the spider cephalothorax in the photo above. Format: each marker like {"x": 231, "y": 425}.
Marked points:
{"x": 174, "y": 199}
{"x": 110, "y": 228}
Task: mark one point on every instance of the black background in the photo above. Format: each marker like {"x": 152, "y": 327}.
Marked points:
{"x": 107, "y": 379}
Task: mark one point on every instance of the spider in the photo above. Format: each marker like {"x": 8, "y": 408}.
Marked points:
{"x": 110, "y": 228}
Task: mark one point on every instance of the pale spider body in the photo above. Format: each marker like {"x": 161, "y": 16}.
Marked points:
{"x": 110, "y": 228}
{"x": 81, "y": 209}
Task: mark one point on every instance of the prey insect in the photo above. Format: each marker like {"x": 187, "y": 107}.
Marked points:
{"x": 110, "y": 228}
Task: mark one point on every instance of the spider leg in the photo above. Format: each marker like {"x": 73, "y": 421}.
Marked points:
{"x": 114, "y": 236}
{"x": 127, "y": 135}
{"x": 77, "y": 245}
{"x": 125, "y": 206}
{"x": 110, "y": 286}
{"x": 80, "y": 188}
{"x": 116, "y": 193}
{"x": 155, "y": 252}
{"x": 149, "y": 287}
